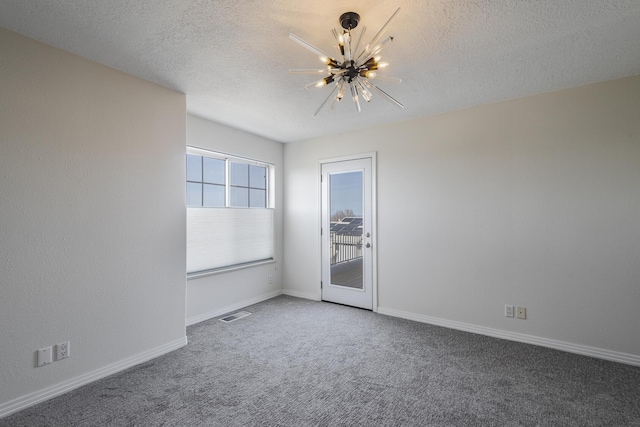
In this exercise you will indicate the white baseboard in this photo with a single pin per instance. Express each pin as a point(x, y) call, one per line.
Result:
point(305, 295)
point(31, 399)
point(629, 359)
point(224, 310)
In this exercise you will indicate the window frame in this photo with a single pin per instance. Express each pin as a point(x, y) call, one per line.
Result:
point(214, 262)
point(228, 159)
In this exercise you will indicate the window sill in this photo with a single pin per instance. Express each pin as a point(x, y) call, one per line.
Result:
point(222, 270)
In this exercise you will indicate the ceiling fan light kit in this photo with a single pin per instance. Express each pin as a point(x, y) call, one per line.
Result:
point(355, 67)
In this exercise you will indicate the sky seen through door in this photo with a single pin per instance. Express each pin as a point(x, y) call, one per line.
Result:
point(346, 193)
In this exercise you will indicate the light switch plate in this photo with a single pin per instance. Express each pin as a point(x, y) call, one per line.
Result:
point(44, 356)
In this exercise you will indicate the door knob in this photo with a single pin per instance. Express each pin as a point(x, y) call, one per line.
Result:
point(368, 245)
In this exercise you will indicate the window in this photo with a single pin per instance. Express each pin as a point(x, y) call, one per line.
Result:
point(248, 185)
point(207, 182)
point(229, 219)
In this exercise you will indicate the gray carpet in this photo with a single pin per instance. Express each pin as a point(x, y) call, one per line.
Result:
point(295, 362)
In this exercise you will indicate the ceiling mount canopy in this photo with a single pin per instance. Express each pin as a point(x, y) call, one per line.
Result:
point(356, 65)
point(349, 20)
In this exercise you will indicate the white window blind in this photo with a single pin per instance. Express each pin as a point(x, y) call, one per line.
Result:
point(223, 237)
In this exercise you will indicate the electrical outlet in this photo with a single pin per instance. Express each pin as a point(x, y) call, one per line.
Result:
point(521, 312)
point(44, 356)
point(508, 311)
point(63, 350)
point(270, 279)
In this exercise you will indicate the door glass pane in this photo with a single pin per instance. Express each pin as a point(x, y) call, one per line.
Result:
point(345, 204)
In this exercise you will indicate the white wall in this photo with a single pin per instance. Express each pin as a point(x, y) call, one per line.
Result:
point(532, 202)
point(92, 219)
point(218, 294)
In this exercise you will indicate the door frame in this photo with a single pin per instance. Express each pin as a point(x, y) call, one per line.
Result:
point(374, 218)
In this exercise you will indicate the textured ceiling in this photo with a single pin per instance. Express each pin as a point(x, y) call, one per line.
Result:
point(231, 57)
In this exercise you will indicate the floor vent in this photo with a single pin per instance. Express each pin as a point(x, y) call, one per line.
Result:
point(235, 316)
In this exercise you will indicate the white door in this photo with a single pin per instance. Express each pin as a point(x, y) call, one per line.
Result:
point(347, 232)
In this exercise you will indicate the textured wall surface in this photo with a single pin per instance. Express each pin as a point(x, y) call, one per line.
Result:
point(532, 202)
point(92, 218)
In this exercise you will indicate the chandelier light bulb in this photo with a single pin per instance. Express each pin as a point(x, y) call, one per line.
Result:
point(341, 91)
point(313, 84)
point(354, 66)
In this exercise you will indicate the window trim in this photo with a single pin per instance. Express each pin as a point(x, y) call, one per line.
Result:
point(222, 270)
point(269, 200)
